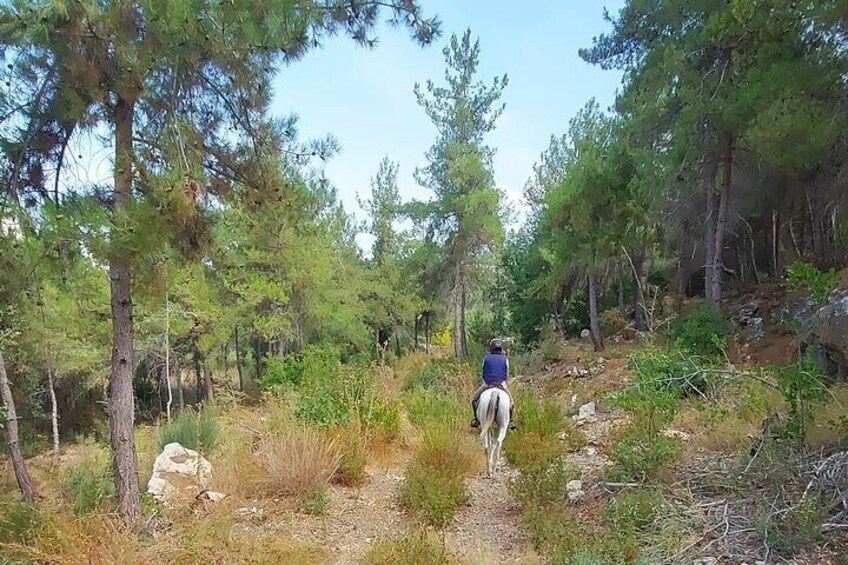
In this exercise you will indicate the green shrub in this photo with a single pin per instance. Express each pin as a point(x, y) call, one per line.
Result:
point(669, 371)
point(544, 482)
point(612, 322)
point(431, 375)
point(802, 386)
point(193, 430)
point(805, 276)
point(434, 487)
point(795, 530)
point(537, 440)
point(638, 455)
point(417, 548)
point(90, 483)
point(702, 331)
point(633, 510)
point(19, 520)
point(315, 502)
point(432, 495)
point(426, 407)
point(314, 363)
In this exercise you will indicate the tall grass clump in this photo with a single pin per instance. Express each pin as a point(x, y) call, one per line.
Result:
point(90, 485)
point(418, 548)
point(538, 437)
point(196, 430)
point(297, 460)
point(20, 521)
point(434, 487)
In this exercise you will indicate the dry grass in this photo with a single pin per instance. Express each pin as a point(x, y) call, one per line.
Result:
point(296, 461)
point(418, 548)
point(830, 427)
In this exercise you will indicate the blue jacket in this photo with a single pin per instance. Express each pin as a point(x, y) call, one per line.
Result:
point(495, 368)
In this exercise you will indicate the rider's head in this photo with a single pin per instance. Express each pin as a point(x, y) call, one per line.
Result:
point(496, 346)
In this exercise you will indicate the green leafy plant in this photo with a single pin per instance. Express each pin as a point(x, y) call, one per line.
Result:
point(817, 283)
point(544, 483)
point(315, 502)
point(802, 387)
point(702, 331)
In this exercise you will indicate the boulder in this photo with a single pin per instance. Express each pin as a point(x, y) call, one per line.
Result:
point(828, 331)
point(586, 411)
point(179, 475)
point(584, 334)
point(574, 489)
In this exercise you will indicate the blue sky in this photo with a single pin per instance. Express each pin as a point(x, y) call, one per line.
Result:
point(364, 97)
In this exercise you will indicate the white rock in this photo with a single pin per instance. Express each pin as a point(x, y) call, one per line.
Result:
point(705, 561)
point(676, 433)
point(574, 485)
point(585, 334)
point(587, 410)
point(178, 473)
point(591, 451)
point(213, 496)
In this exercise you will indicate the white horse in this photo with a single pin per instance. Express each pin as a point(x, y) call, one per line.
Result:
point(493, 415)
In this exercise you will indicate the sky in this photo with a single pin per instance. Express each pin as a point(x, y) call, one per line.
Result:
point(364, 98)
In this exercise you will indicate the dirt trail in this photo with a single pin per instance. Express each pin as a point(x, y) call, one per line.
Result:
point(488, 528)
point(354, 519)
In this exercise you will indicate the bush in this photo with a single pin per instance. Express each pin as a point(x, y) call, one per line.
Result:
point(818, 284)
point(297, 460)
point(192, 430)
point(411, 549)
point(432, 375)
point(90, 483)
point(638, 455)
point(612, 322)
point(537, 440)
point(426, 408)
point(544, 483)
point(435, 486)
point(802, 387)
point(633, 510)
point(315, 502)
point(314, 363)
point(702, 331)
point(19, 521)
point(669, 371)
point(432, 495)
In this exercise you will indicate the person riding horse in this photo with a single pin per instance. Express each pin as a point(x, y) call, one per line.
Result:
point(495, 372)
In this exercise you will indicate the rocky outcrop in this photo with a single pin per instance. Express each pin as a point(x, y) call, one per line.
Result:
point(829, 334)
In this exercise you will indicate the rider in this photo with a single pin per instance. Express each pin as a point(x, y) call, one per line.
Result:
point(495, 372)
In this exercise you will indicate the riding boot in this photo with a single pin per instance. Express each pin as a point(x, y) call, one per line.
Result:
point(475, 423)
point(512, 425)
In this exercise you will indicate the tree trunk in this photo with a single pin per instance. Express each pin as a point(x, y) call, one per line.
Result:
point(238, 360)
point(714, 295)
point(462, 307)
point(427, 333)
point(621, 309)
point(415, 332)
point(775, 244)
point(209, 395)
point(178, 374)
point(121, 401)
point(639, 315)
point(168, 357)
point(594, 323)
point(54, 411)
point(27, 487)
point(711, 169)
point(457, 313)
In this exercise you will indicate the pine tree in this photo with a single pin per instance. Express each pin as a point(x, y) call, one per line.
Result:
point(175, 82)
point(464, 216)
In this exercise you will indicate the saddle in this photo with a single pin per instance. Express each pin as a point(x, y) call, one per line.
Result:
point(496, 385)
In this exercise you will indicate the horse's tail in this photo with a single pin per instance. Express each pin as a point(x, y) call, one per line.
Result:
point(492, 408)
